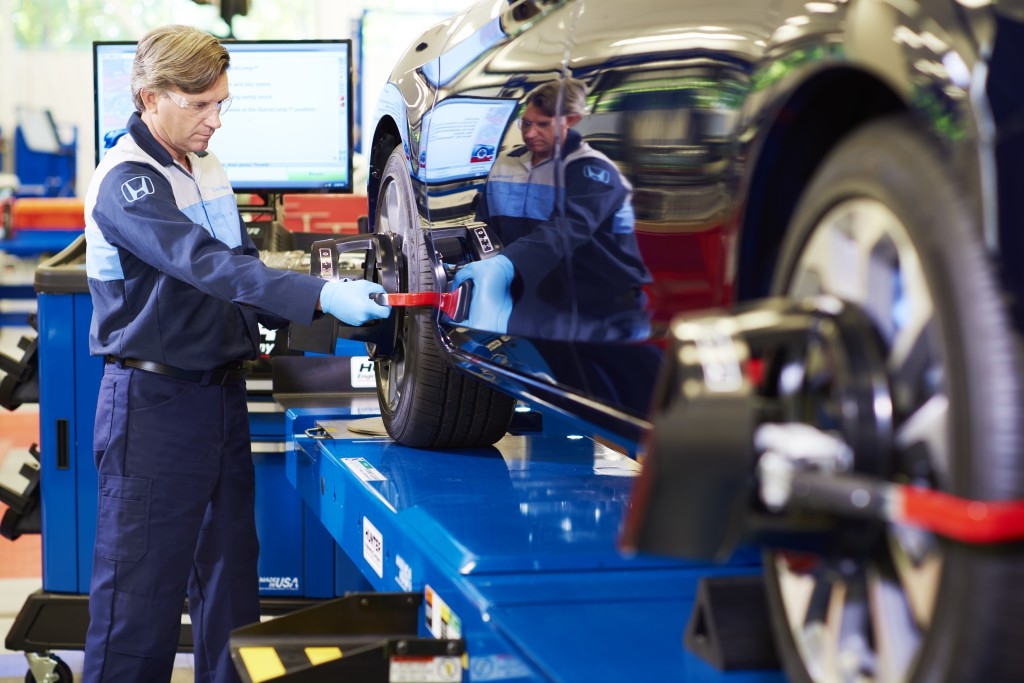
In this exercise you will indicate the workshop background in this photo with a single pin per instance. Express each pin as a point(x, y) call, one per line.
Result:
point(753, 413)
point(45, 50)
point(46, 73)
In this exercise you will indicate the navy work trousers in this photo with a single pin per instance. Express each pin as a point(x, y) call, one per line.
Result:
point(176, 517)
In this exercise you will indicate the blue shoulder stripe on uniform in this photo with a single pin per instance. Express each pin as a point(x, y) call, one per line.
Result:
point(220, 217)
point(526, 200)
point(624, 220)
point(102, 261)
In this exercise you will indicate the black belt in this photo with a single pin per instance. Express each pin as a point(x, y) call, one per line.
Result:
point(225, 374)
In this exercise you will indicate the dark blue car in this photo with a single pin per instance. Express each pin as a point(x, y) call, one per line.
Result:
point(828, 198)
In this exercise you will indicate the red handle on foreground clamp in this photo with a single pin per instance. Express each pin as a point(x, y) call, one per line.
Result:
point(970, 521)
point(409, 299)
point(938, 512)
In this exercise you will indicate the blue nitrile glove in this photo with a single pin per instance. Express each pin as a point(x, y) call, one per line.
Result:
point(349, 301)
point(491, 303)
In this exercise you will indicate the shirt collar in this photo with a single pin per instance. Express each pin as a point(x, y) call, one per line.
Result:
point(144, 138)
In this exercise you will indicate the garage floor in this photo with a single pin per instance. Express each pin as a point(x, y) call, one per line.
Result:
point(20, 561)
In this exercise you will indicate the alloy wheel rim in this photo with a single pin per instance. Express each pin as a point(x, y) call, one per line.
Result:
point(856, 620)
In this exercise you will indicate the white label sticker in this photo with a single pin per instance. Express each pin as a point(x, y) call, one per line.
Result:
point(363, 469)
point(373, 547)
point(408, 669)
point(442, 622)
point(362, 372)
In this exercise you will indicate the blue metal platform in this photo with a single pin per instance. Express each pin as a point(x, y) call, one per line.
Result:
point(513, 549)
point(35, 243)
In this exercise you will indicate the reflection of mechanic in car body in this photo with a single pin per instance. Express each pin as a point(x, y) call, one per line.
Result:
point(567, 229)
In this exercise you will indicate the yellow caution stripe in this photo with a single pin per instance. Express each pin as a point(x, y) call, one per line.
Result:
point(265, 663)
point(319, 655)
point(261, 663)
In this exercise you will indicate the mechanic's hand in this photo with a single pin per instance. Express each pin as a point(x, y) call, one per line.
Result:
point(349, 301)
point(491, 304)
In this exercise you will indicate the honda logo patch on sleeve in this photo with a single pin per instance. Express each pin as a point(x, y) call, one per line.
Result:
point(136, 188)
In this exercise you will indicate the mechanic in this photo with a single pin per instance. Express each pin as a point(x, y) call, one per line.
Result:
point(178, 289)
point(570, 267)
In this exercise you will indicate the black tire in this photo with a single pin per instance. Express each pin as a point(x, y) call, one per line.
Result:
point(425, 402)
point(885, 198)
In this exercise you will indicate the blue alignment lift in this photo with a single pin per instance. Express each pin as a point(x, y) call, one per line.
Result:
point(498, 564)
point(385, 563)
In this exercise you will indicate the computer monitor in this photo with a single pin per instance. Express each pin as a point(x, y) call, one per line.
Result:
point(289, 128)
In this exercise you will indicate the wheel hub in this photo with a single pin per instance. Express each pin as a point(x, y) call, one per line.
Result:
point(776, 389)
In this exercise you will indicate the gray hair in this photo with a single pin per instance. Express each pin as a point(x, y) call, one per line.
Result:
point(176, 56)
point(573, 93)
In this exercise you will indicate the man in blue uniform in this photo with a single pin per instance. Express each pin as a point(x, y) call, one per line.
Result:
point(178, 289)
point(570, 267)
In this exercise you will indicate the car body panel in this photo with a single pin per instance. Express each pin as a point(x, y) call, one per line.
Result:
point(718, 114)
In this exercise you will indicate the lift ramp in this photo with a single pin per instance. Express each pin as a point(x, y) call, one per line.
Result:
point(493, 564)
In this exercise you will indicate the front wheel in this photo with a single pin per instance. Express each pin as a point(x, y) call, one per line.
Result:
point(425, 402)
point(883, 226)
